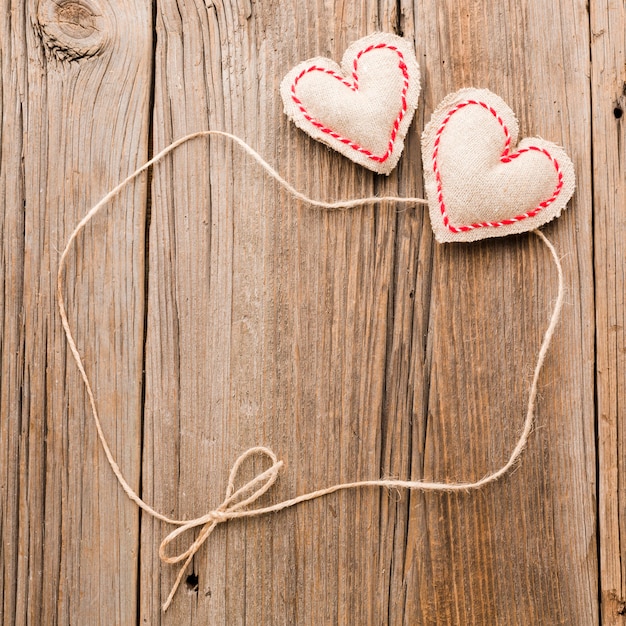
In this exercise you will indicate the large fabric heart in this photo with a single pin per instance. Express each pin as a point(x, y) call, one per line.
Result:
point(362, 109)
point(481, 184)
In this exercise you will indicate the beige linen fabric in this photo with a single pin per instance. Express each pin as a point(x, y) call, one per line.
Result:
point(363, 108)
point(479, 182)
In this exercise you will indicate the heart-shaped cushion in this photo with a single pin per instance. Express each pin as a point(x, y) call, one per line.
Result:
point(479, 182)
point(362, 109)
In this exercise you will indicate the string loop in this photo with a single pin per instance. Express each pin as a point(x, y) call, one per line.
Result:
point(237, 501)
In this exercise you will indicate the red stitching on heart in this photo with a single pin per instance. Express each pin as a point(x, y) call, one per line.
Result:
point(506, 157)
point(354, 86)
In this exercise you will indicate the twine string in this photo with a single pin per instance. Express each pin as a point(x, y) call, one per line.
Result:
point(233, 506)
point(237, 501)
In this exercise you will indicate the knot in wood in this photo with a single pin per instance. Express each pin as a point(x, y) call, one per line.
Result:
point(72, 29)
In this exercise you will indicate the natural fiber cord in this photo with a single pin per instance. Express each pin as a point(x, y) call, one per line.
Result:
point(236, 502)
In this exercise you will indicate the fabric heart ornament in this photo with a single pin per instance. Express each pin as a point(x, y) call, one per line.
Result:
point(363, 108)
point(479, 182)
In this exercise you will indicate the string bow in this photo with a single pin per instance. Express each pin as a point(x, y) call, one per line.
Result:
point(233, 506)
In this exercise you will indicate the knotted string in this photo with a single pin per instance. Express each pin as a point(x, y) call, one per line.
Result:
point(237, 500)
point(231, 507)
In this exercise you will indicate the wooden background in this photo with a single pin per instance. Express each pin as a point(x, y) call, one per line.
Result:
point(214, 313)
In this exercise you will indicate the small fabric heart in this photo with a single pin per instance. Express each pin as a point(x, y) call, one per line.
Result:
point(479, 182)
point(362, 109)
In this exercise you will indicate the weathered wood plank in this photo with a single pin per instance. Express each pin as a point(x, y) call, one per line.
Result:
point(281, 321)
point(608, 81)
point(76, 80)
point(11, 303)
point(522, 551)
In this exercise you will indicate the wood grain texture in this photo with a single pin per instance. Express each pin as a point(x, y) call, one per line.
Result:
point(342, 340)
point(522, 552)
point(75, 101)
point(349, 342)
point(608, 80)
